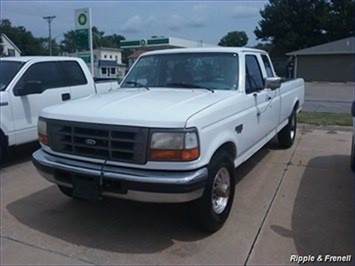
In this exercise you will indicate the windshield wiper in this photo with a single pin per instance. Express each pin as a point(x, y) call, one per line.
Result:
point(189, 85)
point(137, 84)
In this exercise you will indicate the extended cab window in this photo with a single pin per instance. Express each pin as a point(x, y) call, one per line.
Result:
point(73, 73)
point(267, 65)
point(253, 80)
point(47, 73)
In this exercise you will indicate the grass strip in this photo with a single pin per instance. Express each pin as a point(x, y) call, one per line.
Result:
point(325, 119)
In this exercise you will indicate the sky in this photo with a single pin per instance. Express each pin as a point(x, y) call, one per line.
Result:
point(206, 21)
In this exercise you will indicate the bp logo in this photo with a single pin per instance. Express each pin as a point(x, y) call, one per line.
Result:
point(143, 42)
point(82, 19)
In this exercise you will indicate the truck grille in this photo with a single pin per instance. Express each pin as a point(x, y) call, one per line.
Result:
point(116, 143)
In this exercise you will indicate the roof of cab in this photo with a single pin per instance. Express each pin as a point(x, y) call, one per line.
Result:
point(37, 58)
point(205, 50)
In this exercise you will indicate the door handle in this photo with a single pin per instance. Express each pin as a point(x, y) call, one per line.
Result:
point(268, 98)
point(66, 96)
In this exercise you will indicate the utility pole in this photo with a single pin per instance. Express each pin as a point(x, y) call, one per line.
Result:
point(49, 20)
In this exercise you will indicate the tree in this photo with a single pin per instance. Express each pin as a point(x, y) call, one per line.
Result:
point(234, 38)
point(24, 40)
point(68, 44)
point(297, 24)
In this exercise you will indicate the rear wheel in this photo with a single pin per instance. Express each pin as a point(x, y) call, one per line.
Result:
point(287, 135)
point(211, 210)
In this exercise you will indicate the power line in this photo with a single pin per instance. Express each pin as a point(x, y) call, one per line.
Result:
point(49, 20)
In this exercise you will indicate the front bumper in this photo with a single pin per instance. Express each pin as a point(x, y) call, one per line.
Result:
point(120, 182)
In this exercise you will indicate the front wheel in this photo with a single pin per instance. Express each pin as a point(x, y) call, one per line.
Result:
point(212, 210)
point(287, 135)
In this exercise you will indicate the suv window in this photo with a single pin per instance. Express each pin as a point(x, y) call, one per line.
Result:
point(253, 80)
point(267, 65)
point(47, 73)
point(73, 73)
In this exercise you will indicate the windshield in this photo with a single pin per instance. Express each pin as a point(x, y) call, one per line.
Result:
point(8, 70)
point(217, 71)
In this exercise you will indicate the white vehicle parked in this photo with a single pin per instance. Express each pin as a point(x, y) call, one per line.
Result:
point(175, 131)
point(29, 84)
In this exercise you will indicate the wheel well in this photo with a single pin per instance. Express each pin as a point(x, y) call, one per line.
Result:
point(296, 106)
point(3, 139)
point(230, 148)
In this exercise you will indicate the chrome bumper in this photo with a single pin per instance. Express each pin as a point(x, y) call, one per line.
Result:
point(137, 185)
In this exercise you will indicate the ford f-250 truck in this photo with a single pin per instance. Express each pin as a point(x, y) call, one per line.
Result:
point(29, 84)
point(174, 132)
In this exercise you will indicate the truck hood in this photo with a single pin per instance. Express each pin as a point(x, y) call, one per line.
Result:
point(157, 107)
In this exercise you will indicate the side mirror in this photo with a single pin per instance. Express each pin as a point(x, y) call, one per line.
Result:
point(30, 87)
point(272, 83)
point(353, 109)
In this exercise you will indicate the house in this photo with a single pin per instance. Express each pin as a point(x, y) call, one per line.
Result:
point(333, 61)
point(9, 48)
point(107, 62)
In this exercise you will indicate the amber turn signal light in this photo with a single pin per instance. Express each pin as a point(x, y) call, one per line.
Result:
point(174, 155)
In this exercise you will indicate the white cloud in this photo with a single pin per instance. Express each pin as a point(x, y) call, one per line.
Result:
point(136, 24)
point(175, 22)
point(197, 22)
point(244, 12)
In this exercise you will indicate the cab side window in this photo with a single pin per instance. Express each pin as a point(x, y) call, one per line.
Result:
point(267, 65)
point(73, 73)
point(47, 73)
point(253, 80)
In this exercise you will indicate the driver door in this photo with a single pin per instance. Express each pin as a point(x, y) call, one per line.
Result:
point(26, 108)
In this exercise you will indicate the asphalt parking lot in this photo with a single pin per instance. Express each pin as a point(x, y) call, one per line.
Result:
point(298, 201)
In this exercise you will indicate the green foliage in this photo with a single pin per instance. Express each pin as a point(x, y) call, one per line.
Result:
point(298, 24)
point(234, 38)
point(99, 40)
point(24, 40)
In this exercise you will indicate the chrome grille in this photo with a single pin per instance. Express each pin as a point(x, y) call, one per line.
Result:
point(116, 143)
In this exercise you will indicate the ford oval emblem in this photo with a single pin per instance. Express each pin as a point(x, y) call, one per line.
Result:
point(90, 142)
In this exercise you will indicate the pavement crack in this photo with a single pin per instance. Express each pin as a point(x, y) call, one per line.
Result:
point(47, 250)
point(271, 202)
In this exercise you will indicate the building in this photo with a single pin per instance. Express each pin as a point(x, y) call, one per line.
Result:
point(107, 62)
point(332, 61)
point(158, 43)
point(9, 48)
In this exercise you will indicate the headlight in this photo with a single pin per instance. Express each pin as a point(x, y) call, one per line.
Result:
point(174, 146)
point(42, 131)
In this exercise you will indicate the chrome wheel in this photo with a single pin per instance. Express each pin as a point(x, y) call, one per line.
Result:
point(221, 190)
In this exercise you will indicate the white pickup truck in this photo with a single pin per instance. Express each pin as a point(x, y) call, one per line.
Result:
point(28, 84)
point(174, 132)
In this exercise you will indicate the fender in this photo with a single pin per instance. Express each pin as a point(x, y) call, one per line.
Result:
point(217, 141)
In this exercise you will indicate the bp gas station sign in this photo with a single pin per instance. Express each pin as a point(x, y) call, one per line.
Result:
point(83, 35)
point(82, 28)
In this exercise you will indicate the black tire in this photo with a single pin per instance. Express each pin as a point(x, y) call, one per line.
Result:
point(66, 191)
point(352, 163)
point(203, 212)
point(3, 149)
point(287, 135)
